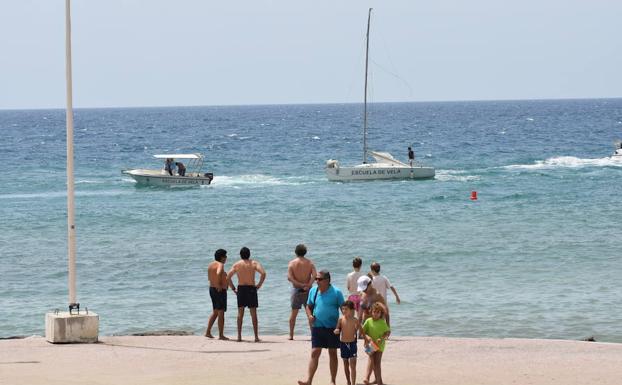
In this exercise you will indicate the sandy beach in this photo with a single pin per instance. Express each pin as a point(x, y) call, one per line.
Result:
point(276, 361)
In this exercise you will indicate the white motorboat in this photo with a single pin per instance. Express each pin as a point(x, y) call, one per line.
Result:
point(618, 149)
point(385, 165)
point(190, 176)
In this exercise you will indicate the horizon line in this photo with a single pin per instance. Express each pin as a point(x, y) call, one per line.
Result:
point(313, 103)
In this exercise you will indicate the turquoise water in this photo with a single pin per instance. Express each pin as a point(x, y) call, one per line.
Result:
point(536, 256)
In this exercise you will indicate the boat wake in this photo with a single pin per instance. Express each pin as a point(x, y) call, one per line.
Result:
point(255, 181)
point(567, 162)
point(455, 176)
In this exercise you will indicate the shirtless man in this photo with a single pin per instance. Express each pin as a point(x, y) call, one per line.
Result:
point(301, 273)
point(218, 292)
point(246, 290)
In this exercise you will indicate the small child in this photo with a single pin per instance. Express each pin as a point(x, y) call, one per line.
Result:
point(376, 331)
point(347, 327)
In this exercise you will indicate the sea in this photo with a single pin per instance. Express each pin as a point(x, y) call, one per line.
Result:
point(537, 255)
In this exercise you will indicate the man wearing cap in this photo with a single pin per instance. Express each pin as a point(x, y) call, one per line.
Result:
point(323, 313)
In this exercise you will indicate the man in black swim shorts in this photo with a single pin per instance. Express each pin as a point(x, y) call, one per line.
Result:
point(246, 291)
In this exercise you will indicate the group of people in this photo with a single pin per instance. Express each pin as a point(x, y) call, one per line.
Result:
point(170, 166)
point(364, 315)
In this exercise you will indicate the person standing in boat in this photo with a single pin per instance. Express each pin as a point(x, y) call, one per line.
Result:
point(181, 169)
point(169, 166)
point(411, 156)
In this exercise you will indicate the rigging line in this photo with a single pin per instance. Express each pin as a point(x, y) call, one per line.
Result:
point(392, 64)
point(410, 90)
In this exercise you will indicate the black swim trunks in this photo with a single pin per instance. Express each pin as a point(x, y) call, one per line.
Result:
point(247, 296)
point(324, 338)
point(219, 298)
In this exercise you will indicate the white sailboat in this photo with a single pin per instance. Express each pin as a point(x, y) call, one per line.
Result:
point(385, 165)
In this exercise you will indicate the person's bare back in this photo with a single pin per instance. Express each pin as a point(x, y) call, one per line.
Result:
point(301, 273)
point(245, 270)
point(216, 275)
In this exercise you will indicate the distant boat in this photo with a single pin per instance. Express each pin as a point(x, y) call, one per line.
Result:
point(162, 177)
point(385, 165)
point(618, 149)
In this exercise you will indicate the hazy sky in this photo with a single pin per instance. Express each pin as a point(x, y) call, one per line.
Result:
point(204, 52)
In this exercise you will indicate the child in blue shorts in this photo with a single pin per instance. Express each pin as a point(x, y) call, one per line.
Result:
point(347, 328)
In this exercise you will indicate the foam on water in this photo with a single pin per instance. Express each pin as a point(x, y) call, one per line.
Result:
point(568, 162)
point(455, 176)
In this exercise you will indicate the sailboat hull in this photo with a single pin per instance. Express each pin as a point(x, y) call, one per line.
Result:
point(368, 172)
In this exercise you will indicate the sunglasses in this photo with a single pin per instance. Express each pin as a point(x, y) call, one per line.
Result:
point(320, 279)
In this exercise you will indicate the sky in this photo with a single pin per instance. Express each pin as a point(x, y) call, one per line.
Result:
point(129, 53)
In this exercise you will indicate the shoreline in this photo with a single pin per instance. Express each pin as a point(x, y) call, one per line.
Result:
point(195, 359)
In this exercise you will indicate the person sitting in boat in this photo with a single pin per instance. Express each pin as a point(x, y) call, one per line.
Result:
point(411, 156)
point(181, 169)
point(169, 166)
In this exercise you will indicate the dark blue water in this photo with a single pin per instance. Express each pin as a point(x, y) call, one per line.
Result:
point(536, 256)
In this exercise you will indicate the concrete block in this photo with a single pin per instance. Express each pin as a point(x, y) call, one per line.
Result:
point(65, 328)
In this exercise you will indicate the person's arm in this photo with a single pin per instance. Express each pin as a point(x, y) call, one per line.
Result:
point(397, 297)
point(262, 273)
point(308, 310)
point(220, 272)
point(337, 330)
point(229, 280)
point(309, 284)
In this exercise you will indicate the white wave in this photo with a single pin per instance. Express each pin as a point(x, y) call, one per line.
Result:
point(316, 138)
point(567, 162)
point(255, 180)
point(454, 176)
point(232, 135)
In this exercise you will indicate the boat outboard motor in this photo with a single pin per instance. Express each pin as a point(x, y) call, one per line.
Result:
point(332, 163)
point(210, 176)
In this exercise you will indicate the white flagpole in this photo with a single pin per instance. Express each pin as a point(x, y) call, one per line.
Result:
point(71, 227)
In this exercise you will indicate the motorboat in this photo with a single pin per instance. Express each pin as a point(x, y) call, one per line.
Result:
point(385, 165)
point(172, 174)
point(618, 149)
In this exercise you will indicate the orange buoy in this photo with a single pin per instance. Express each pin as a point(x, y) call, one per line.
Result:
point(473, 195)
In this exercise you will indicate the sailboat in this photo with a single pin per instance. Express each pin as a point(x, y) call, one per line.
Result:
point(385, 165)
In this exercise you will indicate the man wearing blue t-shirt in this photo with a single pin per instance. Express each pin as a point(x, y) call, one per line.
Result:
point(323, 312)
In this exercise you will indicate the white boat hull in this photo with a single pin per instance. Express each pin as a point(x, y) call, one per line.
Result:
point(376, 172)
point(157, 178)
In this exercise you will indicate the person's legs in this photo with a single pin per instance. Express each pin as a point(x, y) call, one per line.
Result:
point(221, 325)
point(378, 367)
point(240, 320)
point(346, 369)
point(292, 323)
point(210, 323)
point(313, 362)
point(352, 364)
point(334, 364)
point(253, 311)
point(370, 368)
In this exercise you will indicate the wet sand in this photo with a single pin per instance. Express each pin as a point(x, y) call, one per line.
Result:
point(156, 360)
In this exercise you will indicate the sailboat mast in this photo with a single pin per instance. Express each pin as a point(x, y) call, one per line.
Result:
point(365, 94)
